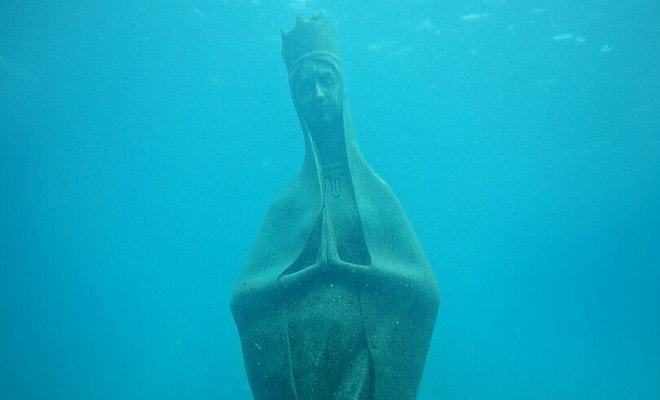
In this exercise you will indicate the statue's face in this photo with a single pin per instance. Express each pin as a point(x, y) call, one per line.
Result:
point(318, 92)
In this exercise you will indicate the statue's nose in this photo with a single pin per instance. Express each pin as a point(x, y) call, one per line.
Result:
point(318, 91)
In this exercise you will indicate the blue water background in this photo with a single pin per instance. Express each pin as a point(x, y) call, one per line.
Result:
point(141, 143)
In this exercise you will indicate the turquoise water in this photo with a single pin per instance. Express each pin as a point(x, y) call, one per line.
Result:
point(140, 145)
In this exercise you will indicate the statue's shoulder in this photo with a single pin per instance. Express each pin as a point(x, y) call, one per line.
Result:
point(292, 209)
point(376, 192)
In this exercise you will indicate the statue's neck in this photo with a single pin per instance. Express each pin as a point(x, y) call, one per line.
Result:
point(329, 144)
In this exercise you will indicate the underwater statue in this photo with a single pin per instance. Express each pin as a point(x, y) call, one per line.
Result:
point(337, 300)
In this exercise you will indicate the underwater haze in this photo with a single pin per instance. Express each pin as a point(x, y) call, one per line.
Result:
point(142, 142)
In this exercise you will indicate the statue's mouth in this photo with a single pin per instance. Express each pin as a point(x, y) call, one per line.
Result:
point(321, 106)
point(325, 111)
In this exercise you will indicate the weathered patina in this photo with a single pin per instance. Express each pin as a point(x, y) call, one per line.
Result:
point(337, 299)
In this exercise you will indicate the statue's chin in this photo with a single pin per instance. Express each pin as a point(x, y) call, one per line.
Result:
point(323, 119)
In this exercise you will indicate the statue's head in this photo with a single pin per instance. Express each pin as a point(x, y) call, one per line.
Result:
point(317, 92)
point(311, 55)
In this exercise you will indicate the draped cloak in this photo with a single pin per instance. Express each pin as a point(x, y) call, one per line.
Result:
point(388, 302)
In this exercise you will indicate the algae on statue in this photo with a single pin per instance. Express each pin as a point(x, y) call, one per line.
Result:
point(337, 300)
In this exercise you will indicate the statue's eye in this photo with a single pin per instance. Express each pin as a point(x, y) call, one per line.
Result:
point(327, 80)
point(306, 86)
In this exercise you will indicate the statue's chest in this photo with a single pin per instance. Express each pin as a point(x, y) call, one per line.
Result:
point(342, 229)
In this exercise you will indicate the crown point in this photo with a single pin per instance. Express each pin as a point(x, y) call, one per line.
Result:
point(312, 37)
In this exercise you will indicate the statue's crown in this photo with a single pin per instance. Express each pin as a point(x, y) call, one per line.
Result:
point(314, 37)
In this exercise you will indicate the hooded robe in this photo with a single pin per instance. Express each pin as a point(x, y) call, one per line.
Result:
point(332, 308)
